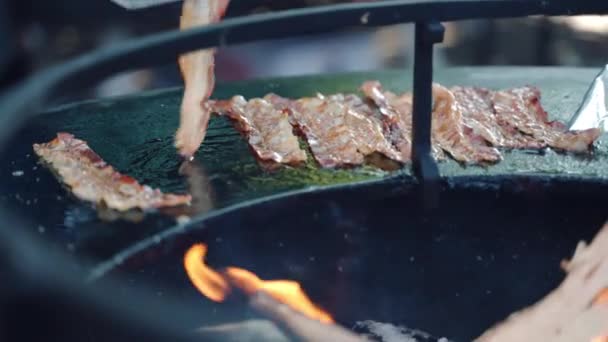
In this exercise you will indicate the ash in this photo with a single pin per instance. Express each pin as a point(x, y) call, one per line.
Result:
point(386, 332)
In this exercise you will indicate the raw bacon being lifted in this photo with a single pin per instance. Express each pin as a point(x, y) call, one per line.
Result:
point(197, 69)
point(91, 179)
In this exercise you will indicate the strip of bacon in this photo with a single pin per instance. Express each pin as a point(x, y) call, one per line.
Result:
point(519, 109)
point(397, 118)
point(479, 116)
point(339, 129)
point(197, 70)
point(267, 129)
point(323, 123)
point(91, 179)
point(449, 130)
point(344, 129)
point(397, 124)
point(365, 122)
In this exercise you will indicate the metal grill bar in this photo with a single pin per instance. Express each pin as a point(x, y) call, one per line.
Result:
point(424, 166)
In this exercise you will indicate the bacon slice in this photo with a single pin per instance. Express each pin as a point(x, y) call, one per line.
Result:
point(323, 123)
point(367, 127)
point(449, 131)
point(339, 129)
point(267, 128)
point(344, 129)
point(91, 179)
point(397, 122)
point(396, 114)
point(478, 115)
point(519, 109)
point(197, 69)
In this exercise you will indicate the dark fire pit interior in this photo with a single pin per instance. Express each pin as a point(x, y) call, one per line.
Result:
point(371, 253)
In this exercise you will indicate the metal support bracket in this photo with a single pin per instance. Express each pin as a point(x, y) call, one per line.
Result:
point(424, 166)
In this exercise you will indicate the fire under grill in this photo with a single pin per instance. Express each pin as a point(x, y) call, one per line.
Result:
point(447, 255)
point(367, 254)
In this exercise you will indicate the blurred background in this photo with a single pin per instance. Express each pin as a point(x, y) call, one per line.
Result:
point(36, 34)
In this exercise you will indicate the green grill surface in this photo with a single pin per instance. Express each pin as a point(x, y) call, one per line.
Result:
point(135, 134)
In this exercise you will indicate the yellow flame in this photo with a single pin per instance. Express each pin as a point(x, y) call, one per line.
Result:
point(216, 286)
point(206, 280)
point(285, 291)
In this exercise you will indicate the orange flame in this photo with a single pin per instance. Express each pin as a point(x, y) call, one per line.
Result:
point(206, 280)
point(285, 291)
point(216, 286)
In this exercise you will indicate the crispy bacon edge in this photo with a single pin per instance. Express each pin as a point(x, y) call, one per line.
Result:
point(81, 153)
